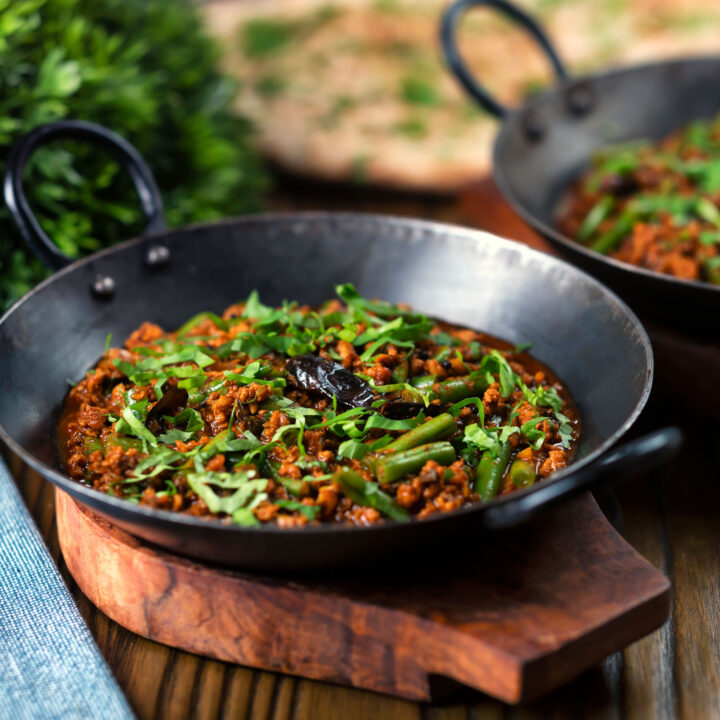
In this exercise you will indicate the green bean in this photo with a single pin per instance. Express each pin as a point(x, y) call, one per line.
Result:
point(389, 468)
point(423, 382)
point(432, 429)
point(522, 473)
point(368, 494)
point(490, 471)
point(458, 388)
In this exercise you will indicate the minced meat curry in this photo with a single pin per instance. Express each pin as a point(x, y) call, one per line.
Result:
point(354, 412)
point(655, 205)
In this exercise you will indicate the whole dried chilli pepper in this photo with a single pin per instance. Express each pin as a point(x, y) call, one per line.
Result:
point(331, 380)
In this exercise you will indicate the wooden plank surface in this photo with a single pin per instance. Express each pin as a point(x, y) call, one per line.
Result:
point(670, 516)
point(549, 600)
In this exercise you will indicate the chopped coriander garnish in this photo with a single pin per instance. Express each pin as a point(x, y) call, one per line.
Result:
point(352, 410)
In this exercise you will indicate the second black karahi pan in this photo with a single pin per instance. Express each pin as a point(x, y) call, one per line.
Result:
point(548, 142)
point(57, 331)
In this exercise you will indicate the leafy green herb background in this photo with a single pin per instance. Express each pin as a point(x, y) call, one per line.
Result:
point(147, 70)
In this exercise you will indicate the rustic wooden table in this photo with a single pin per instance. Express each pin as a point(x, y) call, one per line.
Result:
point(670, 516)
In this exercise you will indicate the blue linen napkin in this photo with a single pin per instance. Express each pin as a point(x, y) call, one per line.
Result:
point(50, 667)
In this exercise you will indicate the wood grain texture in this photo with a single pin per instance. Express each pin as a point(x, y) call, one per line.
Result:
point(554, 598)
point(663, 515)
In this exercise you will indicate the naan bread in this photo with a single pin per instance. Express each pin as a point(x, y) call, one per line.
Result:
point(356, 89)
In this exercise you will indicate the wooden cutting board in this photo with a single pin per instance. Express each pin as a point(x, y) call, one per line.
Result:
point(533, 608)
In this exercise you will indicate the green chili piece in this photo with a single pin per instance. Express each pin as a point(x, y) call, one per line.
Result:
point(432, 429)
point(522, 473)
point(91, 445)
point(389, 468)
point(490, 471)
point(126, 443)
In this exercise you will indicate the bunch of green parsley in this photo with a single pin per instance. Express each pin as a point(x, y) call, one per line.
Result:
point(147, 70)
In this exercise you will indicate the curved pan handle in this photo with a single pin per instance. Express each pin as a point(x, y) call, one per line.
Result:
point(451, 18)
point(118, 147)
point(620, 464)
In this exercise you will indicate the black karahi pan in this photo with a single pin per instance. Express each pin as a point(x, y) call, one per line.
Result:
point(57, 331)
point(548, 141)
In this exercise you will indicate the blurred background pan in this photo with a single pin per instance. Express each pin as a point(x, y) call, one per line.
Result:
point(550, 139)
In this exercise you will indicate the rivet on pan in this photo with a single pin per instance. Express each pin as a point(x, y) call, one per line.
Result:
point(580, 99)
point(534, 125)
point(103, 286)
point(157, 256)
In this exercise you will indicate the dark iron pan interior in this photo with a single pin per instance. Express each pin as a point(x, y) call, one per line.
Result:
point(578, 327)
point(545, 144)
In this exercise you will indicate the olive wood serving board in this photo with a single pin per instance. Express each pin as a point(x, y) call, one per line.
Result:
point(525, 612)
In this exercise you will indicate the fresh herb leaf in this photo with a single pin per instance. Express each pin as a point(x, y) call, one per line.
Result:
point(193, 422)
point(255, 310)
point(534, 435)
point(481, 438)
point(496, 363)
point(194, 321)
point(379, 422)
point(417, 91)
point(248, 490)
point(132, 422)
point(309, 511)
point(161, 460)
point(455, 409)
point(545, 397)
point(565, 429)
point(352, 450)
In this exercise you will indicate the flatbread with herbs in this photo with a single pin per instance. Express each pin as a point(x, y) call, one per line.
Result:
point(356, 89)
